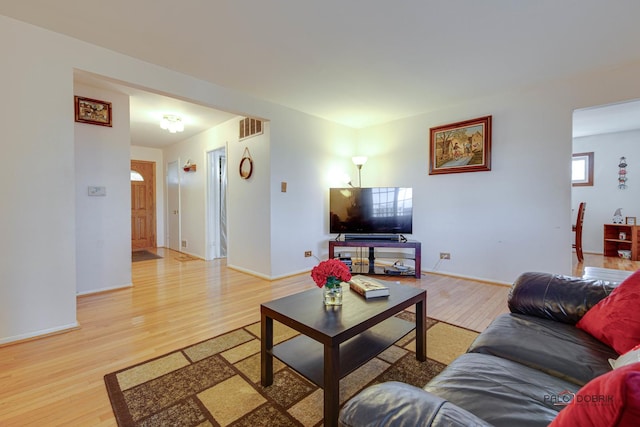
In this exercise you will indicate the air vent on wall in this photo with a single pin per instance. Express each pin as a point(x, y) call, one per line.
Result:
point(250, 127)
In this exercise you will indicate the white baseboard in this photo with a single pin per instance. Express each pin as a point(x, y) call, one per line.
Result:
point(98, 291)
point(40, 333)
point(247, 271)
point(266, 277)
point(462, 276)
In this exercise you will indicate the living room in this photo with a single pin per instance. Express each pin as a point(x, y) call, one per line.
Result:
point(496, 224)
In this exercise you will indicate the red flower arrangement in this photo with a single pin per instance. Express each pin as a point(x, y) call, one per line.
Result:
point(330, 273)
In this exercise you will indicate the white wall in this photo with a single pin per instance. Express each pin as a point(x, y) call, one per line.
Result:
point(193, 186)
point(103, 224)
point(311, 156)
point(37, 219)
point(514, 218)
point(249, 231)
point(496, 224)
point(155, 155)
point(38, 275)
point(604, 197)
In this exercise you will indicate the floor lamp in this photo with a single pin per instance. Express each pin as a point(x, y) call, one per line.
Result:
point(359, 161)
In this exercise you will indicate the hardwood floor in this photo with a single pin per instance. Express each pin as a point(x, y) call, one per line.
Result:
point(594, 260)
point(58, 380)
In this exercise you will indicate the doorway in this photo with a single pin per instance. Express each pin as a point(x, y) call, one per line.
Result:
point(609, 132)
point(143, 204)
point(216, 204)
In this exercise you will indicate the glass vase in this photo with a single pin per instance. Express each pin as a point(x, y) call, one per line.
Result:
point(332, 295)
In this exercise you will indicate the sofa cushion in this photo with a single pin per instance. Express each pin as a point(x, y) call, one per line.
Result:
point(393, 404)
point(612, 399)
point(551, 296)
point(500, 391)
point(616, 319)
point(558, 349)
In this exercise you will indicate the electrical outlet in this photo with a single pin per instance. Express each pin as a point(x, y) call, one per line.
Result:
point(308, 253)
point(184, 243)
point(445, 255)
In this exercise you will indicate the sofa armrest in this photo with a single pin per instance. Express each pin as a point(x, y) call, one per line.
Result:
point(402, 405)
point(551, 296)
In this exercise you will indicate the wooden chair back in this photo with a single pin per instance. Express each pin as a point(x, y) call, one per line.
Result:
point(577, 228)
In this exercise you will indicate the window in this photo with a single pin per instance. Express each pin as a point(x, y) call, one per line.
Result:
point(582, 169)
point(135, 176)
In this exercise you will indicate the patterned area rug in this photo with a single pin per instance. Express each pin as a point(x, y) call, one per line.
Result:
point(143, 255)
point(217, 382)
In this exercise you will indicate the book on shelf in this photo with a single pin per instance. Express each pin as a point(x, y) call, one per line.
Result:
point(368, 287)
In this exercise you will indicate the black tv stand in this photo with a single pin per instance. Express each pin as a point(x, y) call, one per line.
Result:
point(372, 244)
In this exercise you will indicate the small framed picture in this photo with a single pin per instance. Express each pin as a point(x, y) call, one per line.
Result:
point(630, 220)
point(92, 111)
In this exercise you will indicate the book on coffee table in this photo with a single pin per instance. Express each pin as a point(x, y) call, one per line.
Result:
point(368, 287)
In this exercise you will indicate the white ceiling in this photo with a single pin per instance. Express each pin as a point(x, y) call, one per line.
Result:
point(624, 116)
point(147, 109)
point(356, 62)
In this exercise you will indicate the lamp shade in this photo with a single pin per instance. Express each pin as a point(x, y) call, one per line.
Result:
point(359, 160)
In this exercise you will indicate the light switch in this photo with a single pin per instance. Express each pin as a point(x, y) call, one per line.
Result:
point(97, 191)
point(283, 187)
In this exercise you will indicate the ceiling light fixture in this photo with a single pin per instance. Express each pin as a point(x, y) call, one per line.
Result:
point(172, 123)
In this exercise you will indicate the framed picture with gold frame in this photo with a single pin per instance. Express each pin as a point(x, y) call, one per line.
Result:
point(92, 111)
point(461, 147)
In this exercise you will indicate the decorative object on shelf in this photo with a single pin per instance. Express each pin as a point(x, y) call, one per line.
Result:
point(622, 173)
point(461, 147)
point(617, 217)
point(172, 123)
point(189, 167)
point(92, 111)
point(630, 220)
point(622, 235)
point(246, 164)
point(624, 253)
point(329, 275)
point(359, 161)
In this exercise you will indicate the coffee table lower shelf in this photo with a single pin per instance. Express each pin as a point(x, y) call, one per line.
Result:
point(306, 355)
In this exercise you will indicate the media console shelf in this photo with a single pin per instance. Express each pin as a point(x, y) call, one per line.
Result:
point(613, 241)
point(372, 268)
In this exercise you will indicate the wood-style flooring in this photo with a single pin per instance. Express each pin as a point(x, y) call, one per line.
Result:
point(58, 380)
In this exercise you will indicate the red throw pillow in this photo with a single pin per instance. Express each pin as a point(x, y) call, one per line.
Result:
point(612, 399)
point(615, 320)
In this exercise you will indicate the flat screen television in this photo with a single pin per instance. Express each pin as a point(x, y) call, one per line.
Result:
point(374, 210)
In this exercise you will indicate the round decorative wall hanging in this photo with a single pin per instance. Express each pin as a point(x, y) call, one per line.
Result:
point(246, 164)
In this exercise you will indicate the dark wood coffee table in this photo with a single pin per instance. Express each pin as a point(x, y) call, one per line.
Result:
point(335, 341)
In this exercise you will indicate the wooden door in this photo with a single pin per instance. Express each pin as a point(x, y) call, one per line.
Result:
point(143, 205)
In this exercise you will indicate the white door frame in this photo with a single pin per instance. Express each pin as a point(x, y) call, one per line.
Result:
point(173, 229)
point(213, 206)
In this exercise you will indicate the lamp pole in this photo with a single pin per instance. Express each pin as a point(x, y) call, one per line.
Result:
point(359, 161)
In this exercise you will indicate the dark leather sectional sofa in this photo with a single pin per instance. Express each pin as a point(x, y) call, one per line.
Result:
point(520, 371)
